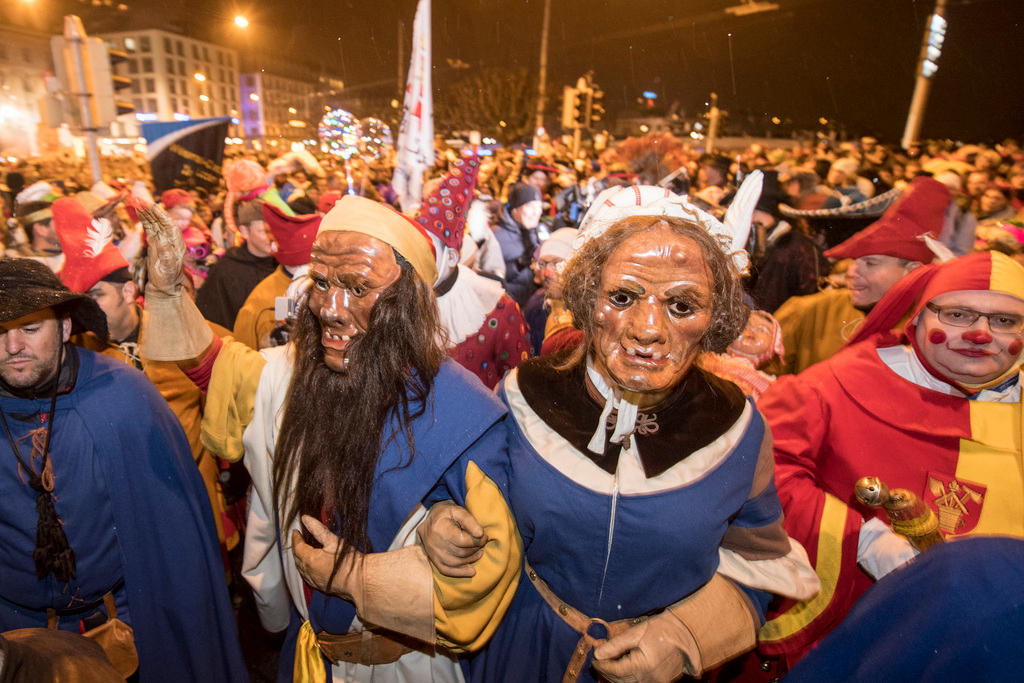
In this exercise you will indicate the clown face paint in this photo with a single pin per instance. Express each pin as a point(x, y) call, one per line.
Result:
point(653, 308)
point(349, 270)
point(972, 355)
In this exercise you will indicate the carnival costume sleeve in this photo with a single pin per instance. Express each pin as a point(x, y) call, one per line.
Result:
point(825, 525)
point(467, 610)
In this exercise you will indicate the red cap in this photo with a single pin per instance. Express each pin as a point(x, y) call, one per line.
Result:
point(89, 251)
point(443, 212)
point(294, 234)
point(177, 197)
point(901, 229)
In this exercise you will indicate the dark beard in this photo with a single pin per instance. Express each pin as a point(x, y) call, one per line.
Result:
point(333, 428)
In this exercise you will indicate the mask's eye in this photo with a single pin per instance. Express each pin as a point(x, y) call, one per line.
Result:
point(681, 309)
point(358, 290)
point(320, 283)
point(621, 298)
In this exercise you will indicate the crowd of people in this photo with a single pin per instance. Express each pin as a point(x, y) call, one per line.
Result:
point(573, 418)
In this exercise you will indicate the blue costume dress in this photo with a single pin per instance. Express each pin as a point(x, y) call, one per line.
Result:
point(622, 535)
point(135, 512)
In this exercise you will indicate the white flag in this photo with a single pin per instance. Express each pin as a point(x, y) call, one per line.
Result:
point(416, 136)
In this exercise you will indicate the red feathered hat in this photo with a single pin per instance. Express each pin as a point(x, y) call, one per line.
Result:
point(901, 229)
point(294, 234)
point(89, 251)
point(443, 212)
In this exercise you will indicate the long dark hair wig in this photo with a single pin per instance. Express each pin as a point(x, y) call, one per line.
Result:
point(334, 423)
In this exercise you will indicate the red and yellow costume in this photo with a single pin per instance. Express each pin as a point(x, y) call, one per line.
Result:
point(876, 409)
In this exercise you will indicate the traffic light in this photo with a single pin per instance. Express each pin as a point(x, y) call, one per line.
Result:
point(84, 67)
point(596, 106)
point(572, 107)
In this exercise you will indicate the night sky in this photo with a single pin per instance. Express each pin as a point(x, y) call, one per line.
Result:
point(852, 62)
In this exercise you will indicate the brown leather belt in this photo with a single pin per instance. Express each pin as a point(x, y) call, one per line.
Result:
point(580, 623)
point(362, 647)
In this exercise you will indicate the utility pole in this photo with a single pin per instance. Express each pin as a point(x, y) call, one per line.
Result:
point(74, 33)
point(542, 80)
point(927, 64)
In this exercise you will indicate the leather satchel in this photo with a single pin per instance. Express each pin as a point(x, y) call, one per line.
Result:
point(115, 637)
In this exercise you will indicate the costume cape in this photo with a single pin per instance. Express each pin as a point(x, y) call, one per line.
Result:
point(164, 542)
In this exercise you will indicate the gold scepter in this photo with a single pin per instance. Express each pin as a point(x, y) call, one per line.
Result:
point(908, 514)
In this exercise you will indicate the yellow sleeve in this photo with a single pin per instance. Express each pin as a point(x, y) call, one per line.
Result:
point(558, 319)
point(467, 610)
point(230, 398)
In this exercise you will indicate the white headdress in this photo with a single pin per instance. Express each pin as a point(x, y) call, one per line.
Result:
point(616, 203)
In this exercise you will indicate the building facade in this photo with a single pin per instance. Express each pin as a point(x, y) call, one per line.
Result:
point(176, 77)
point(278, 111)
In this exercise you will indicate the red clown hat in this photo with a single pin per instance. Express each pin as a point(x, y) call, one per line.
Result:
point(88, 244)
point(443, 212)
point(294, 234)
point(901, 229)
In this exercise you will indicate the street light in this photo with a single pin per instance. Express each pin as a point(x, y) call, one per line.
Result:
point(199, 77)
point(241, 22)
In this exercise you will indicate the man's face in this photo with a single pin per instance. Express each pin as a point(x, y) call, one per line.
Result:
point(653, 308)
point(976, 183)
point(528, 215)
point(538, 179)
point(871, 276)
point(836, 177)
point(44, 236)
point(976, 354)
point(349, 270)
point(550, 279)
point(28, 355)
point(118, 303)
point(993, 201)
point(182, 216)
point(258, 239)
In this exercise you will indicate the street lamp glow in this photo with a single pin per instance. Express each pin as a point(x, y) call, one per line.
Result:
point(241, 22)
point(254, 97)
point(204, 98)
point(292, 110)
point(199, 77)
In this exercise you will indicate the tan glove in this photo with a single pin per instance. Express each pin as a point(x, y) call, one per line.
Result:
point(393, 590)
point(698, 633)
point(174, 330)
point(452, 539)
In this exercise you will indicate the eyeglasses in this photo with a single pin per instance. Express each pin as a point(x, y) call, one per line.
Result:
point(1007, 323)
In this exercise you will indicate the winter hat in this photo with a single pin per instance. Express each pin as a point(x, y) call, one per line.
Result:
point(443, 211)
point(177, 197)
point(88, 245)
point(406, 236)
point(294, 234)
point(559, 244)
point(521, 193)
point(901, 230)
